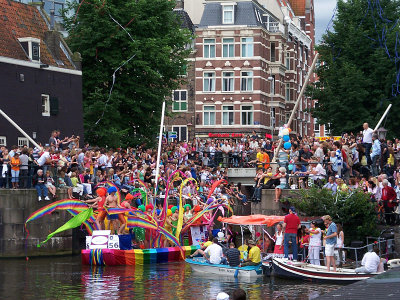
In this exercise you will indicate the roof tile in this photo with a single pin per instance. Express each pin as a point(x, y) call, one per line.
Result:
point(18, 20)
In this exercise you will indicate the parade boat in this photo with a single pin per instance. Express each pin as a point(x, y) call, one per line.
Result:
point(202, 266)
point(301, 270)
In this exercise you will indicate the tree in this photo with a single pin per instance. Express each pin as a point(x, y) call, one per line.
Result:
point(353, 210)
point(359, 67)
point(141, 42)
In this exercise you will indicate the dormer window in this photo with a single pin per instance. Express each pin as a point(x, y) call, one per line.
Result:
point(228, 13)
point(31, 47)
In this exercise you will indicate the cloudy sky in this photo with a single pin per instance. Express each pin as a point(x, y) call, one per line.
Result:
point(323, 13)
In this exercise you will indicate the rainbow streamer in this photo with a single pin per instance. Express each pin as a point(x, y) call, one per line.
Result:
point(109, 184)
point(96, 257)
point(181, 209)
point(65, 204)
point(145, 187)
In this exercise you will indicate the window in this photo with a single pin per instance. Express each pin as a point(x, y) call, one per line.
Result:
point(209, 48)
point(327, 129)
point(246, 83)
point(23, 141)
point(180, 101)
point(287, 62)
point(316, 125)
point(272, 117)
point(273, 85)
point(247, 115)
point(3, 141)
point(209, 82)
point(228, 81)
point(287, 91)
point(31, 47)
point(247, 47)
point(301, 53)
point(209, 115)
point(273, 58)
point(228, 14)
point(45, 105)
point(227, 115)
point(181, 132)
point(287, 117)
point(228, 47)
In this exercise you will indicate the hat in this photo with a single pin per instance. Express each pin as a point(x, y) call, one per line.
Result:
point(129, 197)
point(292, 209)
point(187, 205)
point(252, 242)
point(149, 206)
point(142, 207)
point(197, 208)
point(112, 189)
point(222, 296)
point(101, 192)
point(337, 176)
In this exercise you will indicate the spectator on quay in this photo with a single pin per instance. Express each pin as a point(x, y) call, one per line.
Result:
point(24, 168)
point(367, 141)
point(331, 185)
point(15, 163)
point(339, 158)
point(45, 159)
point(282, 183)
point(376, 152)
point(330, 242)
point(39, 180)
point(50, 184)
point(389, 199)
point(5, 162)
point(290, 226)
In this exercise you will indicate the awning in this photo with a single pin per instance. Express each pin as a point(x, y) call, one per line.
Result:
point(252, 220)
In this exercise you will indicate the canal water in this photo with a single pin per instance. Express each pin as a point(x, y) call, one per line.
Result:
point(67, 278)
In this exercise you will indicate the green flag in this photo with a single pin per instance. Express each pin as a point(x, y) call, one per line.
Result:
point(74, 222)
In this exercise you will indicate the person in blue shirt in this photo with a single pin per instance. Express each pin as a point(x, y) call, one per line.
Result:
point(376, 153)
point(331, 185)
point(330, 239)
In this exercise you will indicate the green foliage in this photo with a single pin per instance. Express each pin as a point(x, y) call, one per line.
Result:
point(353, 210)
point(356, 76)
point(132, 112)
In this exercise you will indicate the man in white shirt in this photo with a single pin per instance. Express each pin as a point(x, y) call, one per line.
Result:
point(367, 141)
point(370, 262)
point(45, 157)
point(213, 253)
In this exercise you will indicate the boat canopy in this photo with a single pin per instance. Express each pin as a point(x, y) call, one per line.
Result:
point(252, 220)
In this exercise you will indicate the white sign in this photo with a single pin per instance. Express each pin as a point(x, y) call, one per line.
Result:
point(199, 234)
point(101, 239)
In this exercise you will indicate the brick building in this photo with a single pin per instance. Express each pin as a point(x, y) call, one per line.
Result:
point(250, 61)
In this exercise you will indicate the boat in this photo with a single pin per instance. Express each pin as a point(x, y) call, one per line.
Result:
point(200, 265)
point(115, 257)
point(301, 270)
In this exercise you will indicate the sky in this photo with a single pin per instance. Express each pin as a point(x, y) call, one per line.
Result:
point(323, 13)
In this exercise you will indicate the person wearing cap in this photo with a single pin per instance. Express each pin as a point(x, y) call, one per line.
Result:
point(291, 224)
point(254, 258)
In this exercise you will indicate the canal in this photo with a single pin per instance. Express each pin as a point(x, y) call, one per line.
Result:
point(67, 278)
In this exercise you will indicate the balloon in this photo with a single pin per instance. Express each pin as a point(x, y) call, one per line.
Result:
point(285, 131)
point(286, 138)
point(210, 200)
point(287, 145)
point(290, 130)
point(169, 212)
point(220, 234)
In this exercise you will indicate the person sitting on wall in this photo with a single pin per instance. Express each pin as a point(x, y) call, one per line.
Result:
point(39, 180)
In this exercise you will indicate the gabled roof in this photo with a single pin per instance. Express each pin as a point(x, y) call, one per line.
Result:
point(18, 20)
point(286, 3)
point(245, 14)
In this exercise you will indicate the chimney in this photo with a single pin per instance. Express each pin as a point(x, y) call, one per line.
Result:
point(52, 39)
point(52, 13)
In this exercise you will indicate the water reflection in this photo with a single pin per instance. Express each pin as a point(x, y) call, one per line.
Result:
point(66, 278)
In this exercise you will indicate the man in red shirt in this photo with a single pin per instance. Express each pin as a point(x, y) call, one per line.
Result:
point(290, 226)
point(389, 198)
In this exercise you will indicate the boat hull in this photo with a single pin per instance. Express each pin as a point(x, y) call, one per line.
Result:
point(114, 257)
point(288, 269)
point(225, 270)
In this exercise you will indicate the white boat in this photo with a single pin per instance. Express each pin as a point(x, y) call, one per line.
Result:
point(300, 270)
point(202, 266)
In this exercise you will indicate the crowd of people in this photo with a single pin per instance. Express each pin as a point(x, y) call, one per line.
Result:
point(353, 161)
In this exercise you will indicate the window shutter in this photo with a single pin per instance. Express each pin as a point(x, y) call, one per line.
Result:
point(53, 106)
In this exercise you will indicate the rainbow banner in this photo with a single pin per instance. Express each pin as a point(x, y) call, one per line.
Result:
point(65, 204)
point(90, 224)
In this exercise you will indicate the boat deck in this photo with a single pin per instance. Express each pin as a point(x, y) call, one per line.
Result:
point(382, 286)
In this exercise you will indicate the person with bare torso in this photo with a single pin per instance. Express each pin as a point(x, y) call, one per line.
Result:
point(112, 202)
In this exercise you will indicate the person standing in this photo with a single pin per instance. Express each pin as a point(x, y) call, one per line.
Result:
point(331, 240)
point(290, 226)
point(375, 155)
point(367, 141)
point(24, 173)
point(279, 236)
point(315, 243)
point(389, 198)
point(15, 165)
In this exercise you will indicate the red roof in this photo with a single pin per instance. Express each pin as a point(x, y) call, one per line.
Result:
point(299, 7)
point(18, 20)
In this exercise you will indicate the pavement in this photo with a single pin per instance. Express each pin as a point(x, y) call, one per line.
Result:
point(383, 286)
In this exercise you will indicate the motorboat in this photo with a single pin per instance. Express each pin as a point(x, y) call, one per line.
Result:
point(201, 265)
